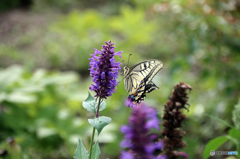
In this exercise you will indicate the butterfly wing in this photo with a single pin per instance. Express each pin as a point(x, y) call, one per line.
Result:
point(141, 92)
point(132, 81)
point(138, 79)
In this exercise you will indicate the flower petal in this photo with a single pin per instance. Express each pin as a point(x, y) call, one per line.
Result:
point(126, 155)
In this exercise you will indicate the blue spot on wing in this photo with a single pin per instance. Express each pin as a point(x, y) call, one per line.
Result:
point(134, 98)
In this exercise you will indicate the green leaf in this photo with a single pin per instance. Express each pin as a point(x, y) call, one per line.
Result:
point(235, 134)
point(213, 145)
point(236, 115)
point(81, 152)
point(100, 122)
point(89, 98)
point(95, 151)
point(220, 120)
point(9, 76)
point(91, 104)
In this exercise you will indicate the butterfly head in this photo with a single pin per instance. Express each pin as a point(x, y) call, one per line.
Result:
point(125, 70)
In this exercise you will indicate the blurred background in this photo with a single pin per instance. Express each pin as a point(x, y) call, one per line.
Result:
point(44, 76)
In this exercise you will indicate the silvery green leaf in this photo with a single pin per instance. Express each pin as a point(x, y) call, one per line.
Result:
point(81, 152)
point(95, 151)
point(100, 122)
point(91, 104)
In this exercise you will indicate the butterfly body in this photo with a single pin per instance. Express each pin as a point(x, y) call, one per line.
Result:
point(138, 79)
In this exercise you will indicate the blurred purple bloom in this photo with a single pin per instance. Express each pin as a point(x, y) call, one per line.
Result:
point(139, 142)
point(126, 155)
point(162, 157)
point(128, 103)
point(104, 70)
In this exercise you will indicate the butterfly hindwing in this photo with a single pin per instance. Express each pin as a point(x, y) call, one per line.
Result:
point(141, 92)
point(150, 87)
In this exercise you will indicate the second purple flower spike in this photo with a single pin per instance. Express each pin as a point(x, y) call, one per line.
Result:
point(139, 142)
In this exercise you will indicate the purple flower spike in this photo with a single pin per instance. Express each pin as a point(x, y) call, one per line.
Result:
point(104, 70)
point(139, 142)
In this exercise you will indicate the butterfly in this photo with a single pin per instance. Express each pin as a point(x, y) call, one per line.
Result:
point(138, 79)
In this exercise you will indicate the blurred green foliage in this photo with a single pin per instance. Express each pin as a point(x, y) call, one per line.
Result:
point(236, 115)
point(80, 32)
point(35, 109)
point(198, 42)
point(233, 135)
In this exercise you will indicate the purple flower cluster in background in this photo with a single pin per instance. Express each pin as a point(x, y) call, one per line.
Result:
point(104, 70)
point(139, 142)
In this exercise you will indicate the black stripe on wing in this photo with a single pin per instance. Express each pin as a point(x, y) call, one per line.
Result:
point(145, 63)
point(141, 92)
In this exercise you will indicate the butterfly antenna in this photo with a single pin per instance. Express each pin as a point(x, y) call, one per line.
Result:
point(128, 59)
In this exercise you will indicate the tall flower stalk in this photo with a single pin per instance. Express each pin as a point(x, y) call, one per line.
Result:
point(139, 142)
point(104, 71)
point(93, 133)
point(173, 119)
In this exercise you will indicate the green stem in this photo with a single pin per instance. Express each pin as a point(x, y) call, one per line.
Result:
point(92, 142)
point(99, 101)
